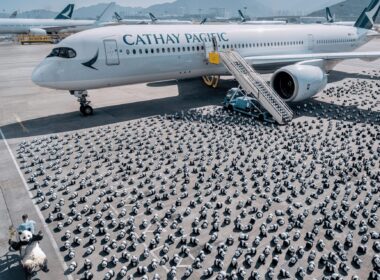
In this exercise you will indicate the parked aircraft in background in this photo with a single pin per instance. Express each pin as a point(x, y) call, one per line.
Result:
point(300, 55)
point(331, 19)
point(45, 26)
point(120, 20)
point(167, 21)
point(244, 20)
point(13, 15)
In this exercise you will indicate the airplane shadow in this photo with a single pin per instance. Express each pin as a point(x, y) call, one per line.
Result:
point(192, 94)
point(324, 110)
point(336, 76)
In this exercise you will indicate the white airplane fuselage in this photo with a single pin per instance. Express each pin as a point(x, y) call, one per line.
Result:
point(23, 26)
point(121, 55)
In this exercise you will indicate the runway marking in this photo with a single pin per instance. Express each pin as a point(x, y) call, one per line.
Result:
point(50, 235)
point(24, 129)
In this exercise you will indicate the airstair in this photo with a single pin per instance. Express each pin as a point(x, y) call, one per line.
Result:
point(254, 85)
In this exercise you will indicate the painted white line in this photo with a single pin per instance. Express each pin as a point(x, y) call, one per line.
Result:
point(49, 234)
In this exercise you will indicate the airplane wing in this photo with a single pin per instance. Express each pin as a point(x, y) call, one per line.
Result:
point(294, 58)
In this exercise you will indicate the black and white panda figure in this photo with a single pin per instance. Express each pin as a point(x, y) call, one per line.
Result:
point(32, 258)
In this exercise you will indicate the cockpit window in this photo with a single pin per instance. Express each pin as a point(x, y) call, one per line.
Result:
point(63, 52)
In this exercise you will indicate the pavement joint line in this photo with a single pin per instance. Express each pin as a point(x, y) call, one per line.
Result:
point(42, 220)
point(24, 129)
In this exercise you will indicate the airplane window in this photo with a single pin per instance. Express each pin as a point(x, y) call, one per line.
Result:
point(146, 51)
point(179, 49)
point(163, 50)
point(157, 50)
point(173, 49)
point(134, 51)
point(152, 50)
point(63, 52)
point(140, 51)
point(183, 49)
point(188, 49)
point(193, 48)
point(197, 48)
point(168, 50)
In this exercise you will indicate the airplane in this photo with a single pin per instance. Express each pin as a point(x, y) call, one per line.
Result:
point(330, 19)
point(13, 15)
point(301, 56)
point(167, 21)
point(243, 20)
point(120, 20)
point(45, 26)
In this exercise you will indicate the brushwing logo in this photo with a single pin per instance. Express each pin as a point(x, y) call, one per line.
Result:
point(67, 12)
point(371, 14)
point(92, 61)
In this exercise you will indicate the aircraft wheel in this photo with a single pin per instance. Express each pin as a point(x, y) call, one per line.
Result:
point(86, 110)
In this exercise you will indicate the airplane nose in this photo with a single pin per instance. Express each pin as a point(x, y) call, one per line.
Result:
point(37, 76)
point(43, 75)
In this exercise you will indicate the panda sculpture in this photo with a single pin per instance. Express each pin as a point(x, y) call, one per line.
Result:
point(32, 258)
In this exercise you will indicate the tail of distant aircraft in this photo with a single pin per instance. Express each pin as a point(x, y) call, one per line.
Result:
point(117, 17)
point(66, 12)
point(153, 18)
point(369, 15)
point(242, 17)
point(329, 17)
point(203, 21)
point(107, 14)
point(13, 15)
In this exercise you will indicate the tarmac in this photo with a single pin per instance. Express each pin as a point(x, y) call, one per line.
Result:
point(176, 122)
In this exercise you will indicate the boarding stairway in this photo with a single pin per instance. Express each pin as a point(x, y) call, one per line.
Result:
point(254, 85)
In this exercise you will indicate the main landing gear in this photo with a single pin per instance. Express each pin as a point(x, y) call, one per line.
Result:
point(82, 95)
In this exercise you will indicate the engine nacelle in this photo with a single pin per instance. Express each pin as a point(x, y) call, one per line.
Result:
point(298, 82)
point(37, 31)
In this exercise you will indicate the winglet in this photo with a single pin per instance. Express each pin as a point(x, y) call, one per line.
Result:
point(368, 17)
point(329, 17)
point(66, 13)
point(117, 17)
point(13, 15)
point(107, 14)
point(242, 17)
point(153, 18)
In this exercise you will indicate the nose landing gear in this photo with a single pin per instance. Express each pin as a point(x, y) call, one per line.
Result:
point(82, 95)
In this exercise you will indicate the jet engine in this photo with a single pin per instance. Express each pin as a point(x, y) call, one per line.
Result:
point(37, 31)
point(298, 82)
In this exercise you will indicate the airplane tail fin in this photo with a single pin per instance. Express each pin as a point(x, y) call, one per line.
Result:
point(242, 17)
point(203, 21)
point(107, 14)
point(13, 15)
point(117, 17)
point(66, 13)
point(329, 17)
point(152, 17)
point(368, 17)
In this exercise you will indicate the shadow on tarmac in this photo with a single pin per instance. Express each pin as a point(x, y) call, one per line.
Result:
point(192, 93)
point(10, 267)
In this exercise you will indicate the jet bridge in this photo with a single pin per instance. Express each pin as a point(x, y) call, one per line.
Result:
point(254, 85)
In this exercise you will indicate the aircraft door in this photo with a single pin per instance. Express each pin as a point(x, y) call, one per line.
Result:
point(310, 42)
point(112, 52)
